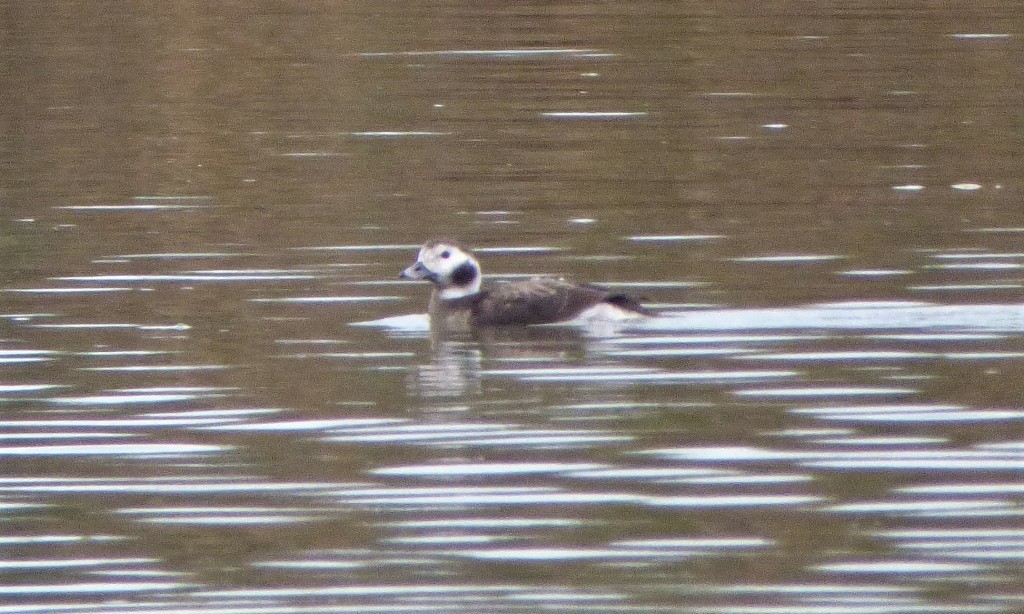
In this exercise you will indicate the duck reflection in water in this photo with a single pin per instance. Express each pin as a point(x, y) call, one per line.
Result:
point(457, 358)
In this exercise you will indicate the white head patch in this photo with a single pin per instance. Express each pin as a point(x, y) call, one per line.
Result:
point(451, 268)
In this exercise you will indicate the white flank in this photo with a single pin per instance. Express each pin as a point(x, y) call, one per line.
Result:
point(606, 312)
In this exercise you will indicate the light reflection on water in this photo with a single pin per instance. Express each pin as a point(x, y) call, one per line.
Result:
point(512, 428)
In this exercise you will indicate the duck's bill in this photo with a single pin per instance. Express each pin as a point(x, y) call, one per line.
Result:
point(418, 271)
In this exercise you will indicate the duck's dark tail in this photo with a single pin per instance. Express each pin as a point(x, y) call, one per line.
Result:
point(629, 303)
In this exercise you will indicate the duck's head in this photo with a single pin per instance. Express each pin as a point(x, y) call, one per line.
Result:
point(449, 266)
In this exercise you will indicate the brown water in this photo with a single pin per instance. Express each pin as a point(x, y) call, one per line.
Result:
point(197, 202)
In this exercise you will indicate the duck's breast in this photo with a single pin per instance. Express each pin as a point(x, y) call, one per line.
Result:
point(450, 315)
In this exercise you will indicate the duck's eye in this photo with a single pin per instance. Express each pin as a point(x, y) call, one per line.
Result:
point(445, 254)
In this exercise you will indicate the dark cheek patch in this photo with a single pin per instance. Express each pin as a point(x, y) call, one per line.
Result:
point(464, 274)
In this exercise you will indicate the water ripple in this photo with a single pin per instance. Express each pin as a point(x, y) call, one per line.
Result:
point(225, 516)
point(475, 434)
point(90, 588)
point(127, 450)
point(482, 469)
point(177, 486)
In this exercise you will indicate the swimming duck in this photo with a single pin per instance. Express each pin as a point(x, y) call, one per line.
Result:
point(460, 301)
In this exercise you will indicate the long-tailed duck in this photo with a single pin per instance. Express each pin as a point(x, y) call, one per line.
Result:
point(460, 301)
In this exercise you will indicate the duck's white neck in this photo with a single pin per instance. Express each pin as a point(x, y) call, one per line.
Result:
point(455, 292)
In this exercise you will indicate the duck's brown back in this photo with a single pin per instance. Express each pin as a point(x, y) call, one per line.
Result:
point(542, 301)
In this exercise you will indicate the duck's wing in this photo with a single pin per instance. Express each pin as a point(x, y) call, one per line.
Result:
point(536, 301)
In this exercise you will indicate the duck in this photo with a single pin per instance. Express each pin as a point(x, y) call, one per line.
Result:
point(461, 301)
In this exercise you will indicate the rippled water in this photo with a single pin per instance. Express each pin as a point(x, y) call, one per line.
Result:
point(216, 395)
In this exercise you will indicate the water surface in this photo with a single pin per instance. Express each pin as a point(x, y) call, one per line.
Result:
point(217, 396)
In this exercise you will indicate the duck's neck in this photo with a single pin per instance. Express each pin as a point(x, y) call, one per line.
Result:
point(454, 293)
